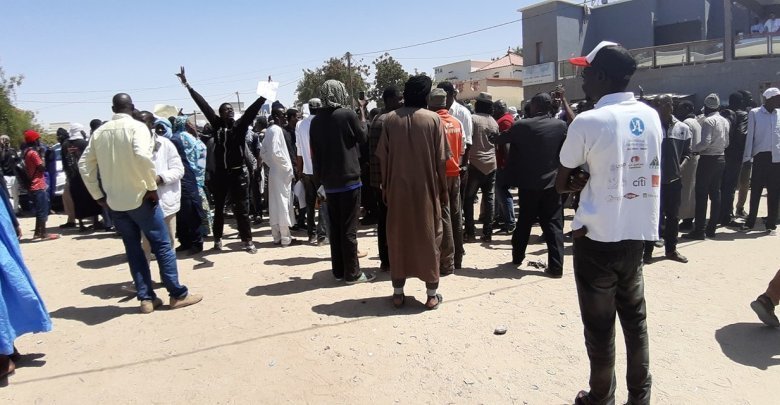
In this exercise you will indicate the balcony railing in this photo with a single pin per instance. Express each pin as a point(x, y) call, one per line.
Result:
point(692, 53)
point(686, 53)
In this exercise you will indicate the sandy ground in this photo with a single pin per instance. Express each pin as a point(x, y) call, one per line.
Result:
point(277, 328)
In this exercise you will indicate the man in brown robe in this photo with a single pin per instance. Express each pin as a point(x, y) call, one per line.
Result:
point(412, 153)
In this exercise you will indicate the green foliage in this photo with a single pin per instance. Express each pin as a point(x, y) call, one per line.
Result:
point(13, 121)
point(336, 69)
point(388, 72)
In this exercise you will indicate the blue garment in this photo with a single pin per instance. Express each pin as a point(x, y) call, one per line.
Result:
point(40, 200)
point(148, 218)
point(21, 308)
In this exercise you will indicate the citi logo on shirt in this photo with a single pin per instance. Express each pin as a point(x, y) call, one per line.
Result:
point(640, 182)
point(637, 127)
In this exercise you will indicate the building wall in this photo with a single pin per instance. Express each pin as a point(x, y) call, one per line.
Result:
point(512, 72)
point(754, 75)
point(456, 71)
point(630, 23)
point(539, 26)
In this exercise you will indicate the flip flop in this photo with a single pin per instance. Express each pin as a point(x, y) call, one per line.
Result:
point(439, 300)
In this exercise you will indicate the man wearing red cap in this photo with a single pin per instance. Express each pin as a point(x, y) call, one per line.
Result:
point(619, 144)
point(37, 190)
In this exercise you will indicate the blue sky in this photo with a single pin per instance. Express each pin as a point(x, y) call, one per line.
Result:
point(76, 54)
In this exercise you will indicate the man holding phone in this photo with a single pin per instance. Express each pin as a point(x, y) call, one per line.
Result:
point(619, 144)
point(119, 173)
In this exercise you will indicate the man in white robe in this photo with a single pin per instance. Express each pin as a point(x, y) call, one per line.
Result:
point(276, 155)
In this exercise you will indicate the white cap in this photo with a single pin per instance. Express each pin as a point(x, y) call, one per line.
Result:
point(771, 92)
point(585, 61)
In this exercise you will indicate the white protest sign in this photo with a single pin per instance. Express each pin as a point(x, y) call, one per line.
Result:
point(267, 89)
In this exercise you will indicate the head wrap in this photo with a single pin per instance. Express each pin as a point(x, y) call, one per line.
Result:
point(334, 94)
point(276, 105)
point(179, 124)
point(416, 91)
point(76, 131)
point(166, 124)
point(31, 136)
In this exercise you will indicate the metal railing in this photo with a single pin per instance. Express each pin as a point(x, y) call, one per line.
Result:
point(686, 53)
point(756, 46)
point(692, 53)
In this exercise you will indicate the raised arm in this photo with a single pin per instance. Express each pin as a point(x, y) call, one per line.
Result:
point(249, 115)
point(205, 108)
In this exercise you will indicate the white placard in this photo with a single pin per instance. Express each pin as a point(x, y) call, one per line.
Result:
point(267, 89)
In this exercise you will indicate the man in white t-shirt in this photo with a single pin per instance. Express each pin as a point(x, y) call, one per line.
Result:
point(303, 164)
point(612, 154)
point(772, 24)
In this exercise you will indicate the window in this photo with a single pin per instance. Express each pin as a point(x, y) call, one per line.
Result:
point(539, 54)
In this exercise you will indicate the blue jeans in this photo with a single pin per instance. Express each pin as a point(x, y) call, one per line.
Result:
point(40, 200)
point(148, 218)
point(504, 205)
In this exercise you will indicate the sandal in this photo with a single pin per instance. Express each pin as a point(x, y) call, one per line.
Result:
point(7, 366)
point(439, 300)
point(399, 300)
point(15, 357)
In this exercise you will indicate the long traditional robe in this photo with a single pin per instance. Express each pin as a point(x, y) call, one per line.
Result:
point(21, 307)
point(275, 154)
point(412, 158)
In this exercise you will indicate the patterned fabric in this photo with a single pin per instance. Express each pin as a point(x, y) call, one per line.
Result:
point(334, 94)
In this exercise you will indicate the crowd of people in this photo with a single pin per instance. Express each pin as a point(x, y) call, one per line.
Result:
point(636, 171)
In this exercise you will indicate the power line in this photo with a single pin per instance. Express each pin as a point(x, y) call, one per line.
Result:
point(440, 39)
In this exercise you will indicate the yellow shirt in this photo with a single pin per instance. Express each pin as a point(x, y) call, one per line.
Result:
point(117, 163)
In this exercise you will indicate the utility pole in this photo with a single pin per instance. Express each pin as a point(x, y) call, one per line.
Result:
point(238, 99)
point(349, 73)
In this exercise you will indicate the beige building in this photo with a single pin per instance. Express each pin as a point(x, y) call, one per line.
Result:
point(502, 78)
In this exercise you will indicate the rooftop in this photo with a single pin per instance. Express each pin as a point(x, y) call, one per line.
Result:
point(510, 59)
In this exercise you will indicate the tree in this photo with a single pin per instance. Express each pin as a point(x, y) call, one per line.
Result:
point(388, 72)
point(336, 69)
point(13, 121)
point(518, 50)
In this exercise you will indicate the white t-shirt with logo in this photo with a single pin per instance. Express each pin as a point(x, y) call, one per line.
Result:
point(619, 144)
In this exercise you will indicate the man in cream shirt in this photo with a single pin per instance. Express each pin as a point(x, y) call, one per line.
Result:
point(119, 173)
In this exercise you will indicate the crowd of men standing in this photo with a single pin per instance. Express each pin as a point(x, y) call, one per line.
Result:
point(632, 170)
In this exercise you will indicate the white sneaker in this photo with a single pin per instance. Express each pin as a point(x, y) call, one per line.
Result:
point(772, 232)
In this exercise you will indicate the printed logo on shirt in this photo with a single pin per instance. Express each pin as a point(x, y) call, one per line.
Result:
point(635, 145)
point(656, 180)
point(613, 198)
point(649, 195)
point(640, 182)
point(637, 127)
point(630, 196)
point(615, 183)
point(654, 163)
point(636, 162)
point(618, 166)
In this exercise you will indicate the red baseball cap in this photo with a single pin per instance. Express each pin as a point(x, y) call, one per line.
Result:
point(31, 136)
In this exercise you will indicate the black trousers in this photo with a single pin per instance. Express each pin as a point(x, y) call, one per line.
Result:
point(344, 213)
point(765, 175)
point(709, 174)
point(310, 185)
point(189, 219)
point(486, 183)
point(609, 281)
point(235, 183)
point(381, 229)
point(256, 193)
point(544, 206)
point(669, 224)
point(728, 187)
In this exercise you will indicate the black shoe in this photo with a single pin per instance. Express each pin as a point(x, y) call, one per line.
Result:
point(710, 233)
point(686, 225)
point(486, 238)
point(312, 239)
point(554, 273)
point(196, 248)
point(745, 228)
point(458, 264)
point(68, 225)
point(183, 248)
point(695, 235)
point(468, 238)
point(765, 309)
point(370, 220)
point(647, 259)
point(677, 257)
point(741, 214)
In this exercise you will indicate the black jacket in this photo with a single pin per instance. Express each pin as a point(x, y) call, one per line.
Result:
point(229, 139)
point(334, 138)
point(675, 149)
point(534, 152)
point(737, 135)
